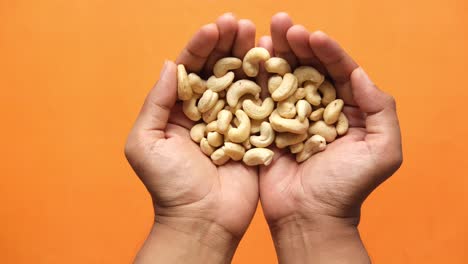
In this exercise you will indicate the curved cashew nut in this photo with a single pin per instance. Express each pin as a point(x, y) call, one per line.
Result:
point(300, 93)
point(240, 88)
point(211, 127)
point(303, 109)
point(274, 82)
point(283, 140)
point(313, 145)
point(218, 84)
point(287, 88)
point(207, 101)
point(342, 125)
point(328, 92)
point(190, 109)
point(197, 84)
point(219, 157)
point(255, 125)
point(312, 95)
point(205, 147)
point(295, 126)
point(257, 112)
point(287, 108)
point(267, 136)
point(184, 91)
point(234, 151)
point(277, 65)
point(252, 59)
point(305, 73)
point(247, 144)
point(224, 119)
point(258, 156)
point(296, 148)
point(332, 111)
point(242, 132)
point(215, 139)
point(211, 114)
point(197, 132)
point(316, 115)
point(323, 129)
point(224, 65)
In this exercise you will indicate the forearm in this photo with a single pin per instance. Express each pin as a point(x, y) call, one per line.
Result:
point(187, 242)
point(324, 240)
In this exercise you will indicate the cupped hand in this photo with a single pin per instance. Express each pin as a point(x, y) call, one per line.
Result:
point(189, 192)
point(336, 181)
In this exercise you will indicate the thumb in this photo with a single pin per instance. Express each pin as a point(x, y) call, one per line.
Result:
point(158, 104)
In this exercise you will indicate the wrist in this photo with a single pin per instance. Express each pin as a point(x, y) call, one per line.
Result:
point(185, 240)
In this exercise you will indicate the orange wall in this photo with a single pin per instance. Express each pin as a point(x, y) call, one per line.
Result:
point(74, 73)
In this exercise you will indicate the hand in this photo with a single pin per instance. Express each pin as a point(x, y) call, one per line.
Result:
point(193, 199)
point(325, 193)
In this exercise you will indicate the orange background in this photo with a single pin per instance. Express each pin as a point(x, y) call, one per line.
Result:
point(74, 73)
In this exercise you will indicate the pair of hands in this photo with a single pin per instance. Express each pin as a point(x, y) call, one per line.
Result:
point(307, 205)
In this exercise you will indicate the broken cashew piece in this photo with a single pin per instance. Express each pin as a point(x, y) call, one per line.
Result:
point(323, 129)
point(313, 145)
point(197, 132)
point(305, 73)
point(241, 88)
point(277, 65)
point(332, 111)
point(205, 147)
point(296, 148)
point(184, 91)
point(303, 109)
point(316, 115)
point(312, 94)
point(274, 82)
point(252, 59)
point(234, 151)
point(211, 114)
point(258, 156)
point(258, 112)
point(224, 65)
point(295, 126)
point(219, 157)
point(207, 101)
point(242, 132)
point(283, 140)
point(218, 84)
point(197, 84)
point(287, 88)
point(224, 120)
point(266, 137)
point(190, 108)
point(342, 124)
point(328, 92)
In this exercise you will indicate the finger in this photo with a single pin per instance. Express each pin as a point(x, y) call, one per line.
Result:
point(262, 78)
point(280, 24)
point(298, 39)
point(381, 120)
point(245, 38)
point(179, 118)
point(159, 102)
point(227, 28)
point(195, 54)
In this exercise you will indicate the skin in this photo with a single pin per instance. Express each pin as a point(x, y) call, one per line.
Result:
point(312, 208)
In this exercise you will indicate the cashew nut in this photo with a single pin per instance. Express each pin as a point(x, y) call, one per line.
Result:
point(247, 144)
point(218, 84)
point(207, 101)
point(287, 108)
point(224, 65)
point(258, 156)
point(234, 151)
point(283, 140)
point(197, 132)
point(280, 124)
point(211, 127)
point(304, 73)
point(312, 95)
point(300, 93)
point(242, 132)
point(266, 137)
point(296, 148)
point(274, 82)
point(211, 114)
point(219, 157)
point(342, 124)
point(215, 139)
point(190, 109)
point(287, 88)
point(252, 59)
point(255, 111)
point(328, 92)
point(277, 65)
point(303, 109)
point(323, 129)
point(205, 147)
point(332, 111)
point(255, 125)
point(224, 119)
point(316, 115)
point(313, 145)
point(197, 84)
point(241, 88)
point(184, 91)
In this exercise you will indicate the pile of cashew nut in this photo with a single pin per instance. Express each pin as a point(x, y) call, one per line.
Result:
point(301, 113)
